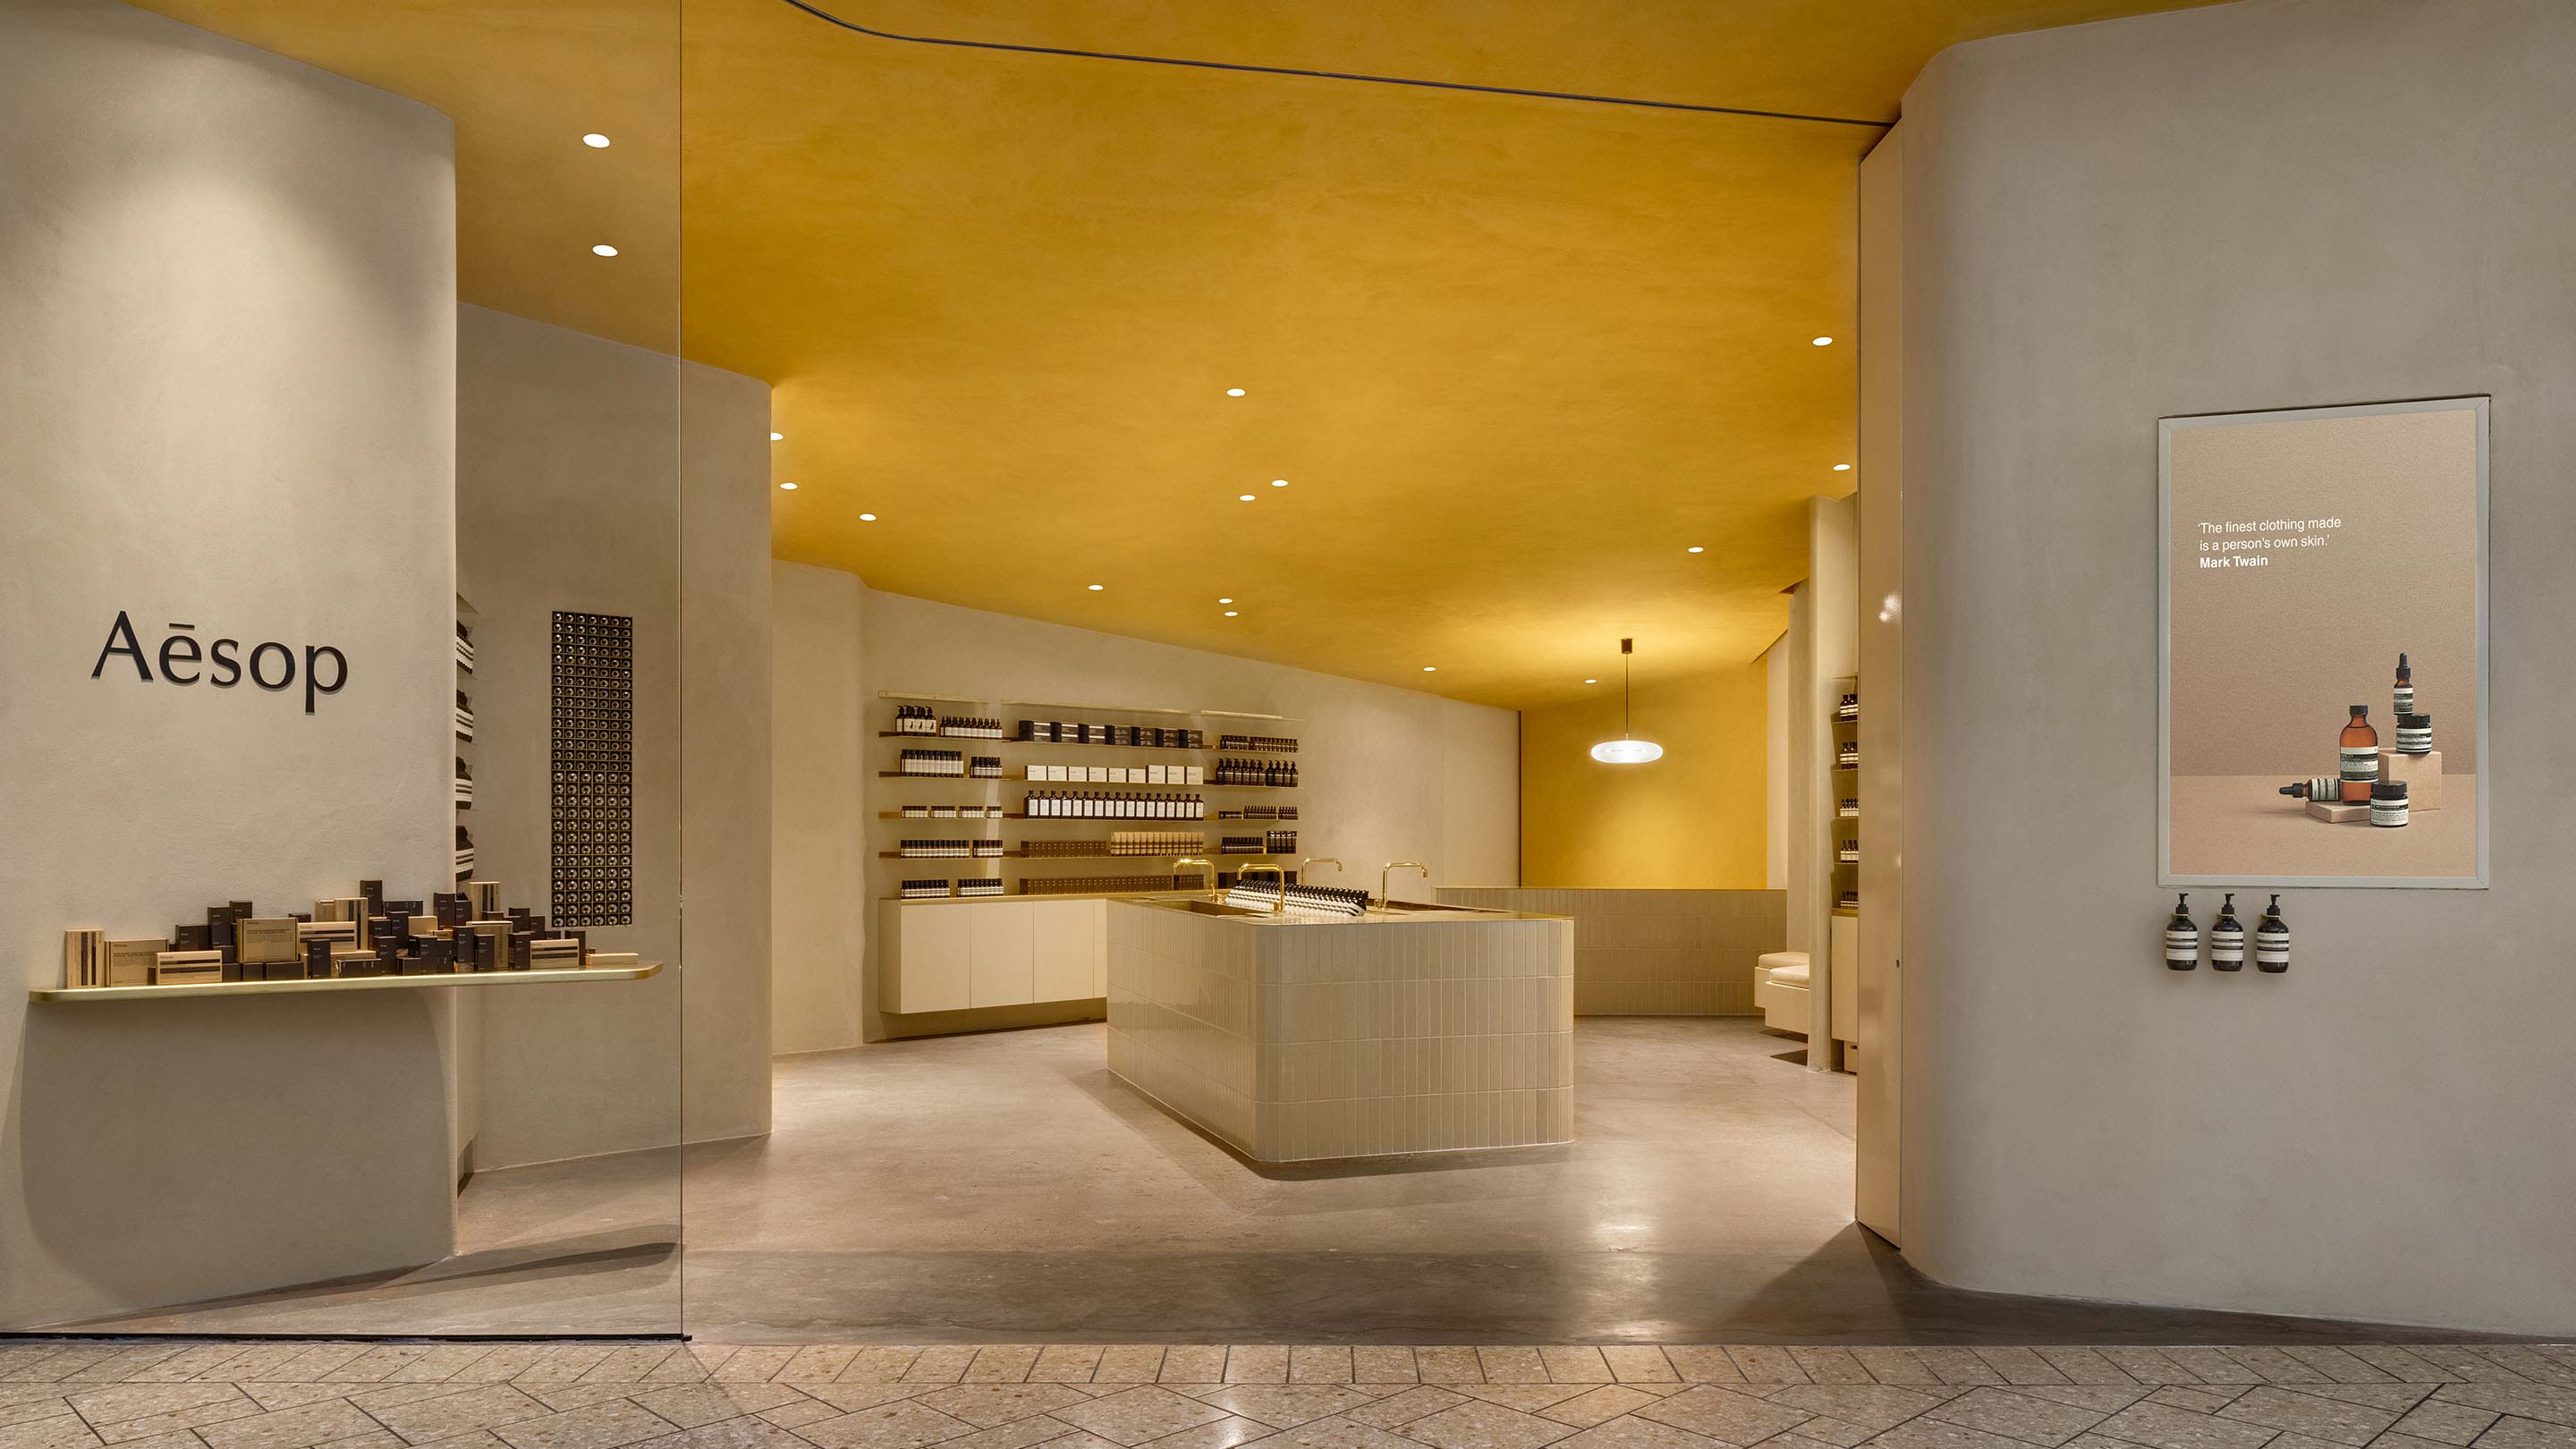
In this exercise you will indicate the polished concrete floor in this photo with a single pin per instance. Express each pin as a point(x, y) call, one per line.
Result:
point(1005, 1187)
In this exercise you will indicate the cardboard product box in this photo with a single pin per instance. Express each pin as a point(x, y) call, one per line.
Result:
point(353, 961)
point(187, 968)
point(2336, 812)
point(267, 940)
point(129, 963)
point(2422, 774)
point(373, 893)
point(317, 959)
point(84, 957)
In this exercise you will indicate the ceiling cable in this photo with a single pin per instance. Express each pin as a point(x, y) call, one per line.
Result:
point(1375, 80)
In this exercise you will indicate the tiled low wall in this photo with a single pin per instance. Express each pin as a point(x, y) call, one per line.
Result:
point(1300, 1042)
point(1656, 953)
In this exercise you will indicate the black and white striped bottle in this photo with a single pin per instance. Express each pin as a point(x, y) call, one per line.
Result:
point(2227, 938)
point(2182, 938)
point(2272, 940)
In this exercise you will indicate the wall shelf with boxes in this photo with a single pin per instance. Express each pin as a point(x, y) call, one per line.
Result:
point(438, 981)
point(367, 937)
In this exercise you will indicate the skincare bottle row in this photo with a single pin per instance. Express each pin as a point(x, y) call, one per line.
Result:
point(2227, 939)
point(1265, 744)
point(1063, 805)
point(959, 849)
point(1278, 774)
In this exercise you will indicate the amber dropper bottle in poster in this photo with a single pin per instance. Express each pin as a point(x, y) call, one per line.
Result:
point(2359, 749)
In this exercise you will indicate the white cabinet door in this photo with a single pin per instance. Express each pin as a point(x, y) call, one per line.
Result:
point(1099, 928)
point(927, 970)
point(1001, 953)
point(1069, 949)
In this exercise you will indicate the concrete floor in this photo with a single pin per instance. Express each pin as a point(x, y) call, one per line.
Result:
point(1005, 1187)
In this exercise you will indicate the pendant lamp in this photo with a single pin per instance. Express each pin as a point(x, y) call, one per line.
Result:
point(1626, 750)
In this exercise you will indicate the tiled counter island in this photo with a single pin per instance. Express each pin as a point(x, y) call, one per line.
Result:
point(1420, 1029)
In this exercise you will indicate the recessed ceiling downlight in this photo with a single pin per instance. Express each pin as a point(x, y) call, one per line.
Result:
point(1842, 467)
point(1695, 548)
point(1243, 498)
point(1231, 613)
point(595, 141)
point(1430, 668)
point(867, 518)
point(1225, 601)
point(1095, 588)
point(777, 437)
point(1234, 392)
point(1822, 341)
point(603, 250)
point(1278, 482)
point(786, 487)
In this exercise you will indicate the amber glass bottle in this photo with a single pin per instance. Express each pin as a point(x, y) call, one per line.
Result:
point(2359, 749)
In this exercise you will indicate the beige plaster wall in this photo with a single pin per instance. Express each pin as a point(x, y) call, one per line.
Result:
point(2279, 203)
point(227, 291)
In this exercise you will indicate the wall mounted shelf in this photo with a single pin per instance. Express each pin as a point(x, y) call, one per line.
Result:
point(635, 972)
point(1159, 710)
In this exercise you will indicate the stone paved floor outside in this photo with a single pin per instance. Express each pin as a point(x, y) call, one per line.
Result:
point(273, 1394)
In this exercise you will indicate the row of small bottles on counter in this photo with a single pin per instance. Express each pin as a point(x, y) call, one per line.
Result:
point(923, 890)
point(2227, 938)
point(1110, 805)
point(1278, 774)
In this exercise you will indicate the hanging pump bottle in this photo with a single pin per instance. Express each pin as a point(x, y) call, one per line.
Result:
point(2182, 938)
point(2227, 938)
point(2272, 940)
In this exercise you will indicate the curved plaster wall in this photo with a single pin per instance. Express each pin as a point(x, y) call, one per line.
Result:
point(227, 398)
point(2263, 205)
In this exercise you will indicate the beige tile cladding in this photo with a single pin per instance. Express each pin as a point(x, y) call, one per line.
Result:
point(1656, 953)
point(1294, 1043)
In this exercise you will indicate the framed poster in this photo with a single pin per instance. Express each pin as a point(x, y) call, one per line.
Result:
point(2323, 622)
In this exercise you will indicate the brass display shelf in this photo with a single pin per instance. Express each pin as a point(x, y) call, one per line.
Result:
point(636, 972)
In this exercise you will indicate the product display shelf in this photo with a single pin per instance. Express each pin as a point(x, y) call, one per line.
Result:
point(958, 779)
point(918, 735)
point(635, 972)
point(1842, 829)
point(1159, 711)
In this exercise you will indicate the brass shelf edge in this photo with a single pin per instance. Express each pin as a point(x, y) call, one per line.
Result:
point(636, 972)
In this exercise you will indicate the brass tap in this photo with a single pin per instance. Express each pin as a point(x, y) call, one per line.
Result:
point(1385, 894)
point(1181, 860)
point(1247, 871)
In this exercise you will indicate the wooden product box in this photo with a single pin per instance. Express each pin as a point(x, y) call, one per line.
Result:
point(2422, 774)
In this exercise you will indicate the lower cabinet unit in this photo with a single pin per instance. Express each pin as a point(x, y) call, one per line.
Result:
point(1072, 956)
point(1001, 953)
point(924, 965)
point(953, 955)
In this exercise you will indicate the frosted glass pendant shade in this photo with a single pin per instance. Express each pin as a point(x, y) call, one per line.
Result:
point(1627, 752)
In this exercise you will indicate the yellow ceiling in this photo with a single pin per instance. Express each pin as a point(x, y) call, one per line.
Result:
point(1512, 355)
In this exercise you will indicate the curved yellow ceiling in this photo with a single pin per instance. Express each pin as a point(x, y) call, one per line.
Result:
point(1513, 356)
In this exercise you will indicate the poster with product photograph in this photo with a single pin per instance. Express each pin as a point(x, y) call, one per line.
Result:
point(2324, 629)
